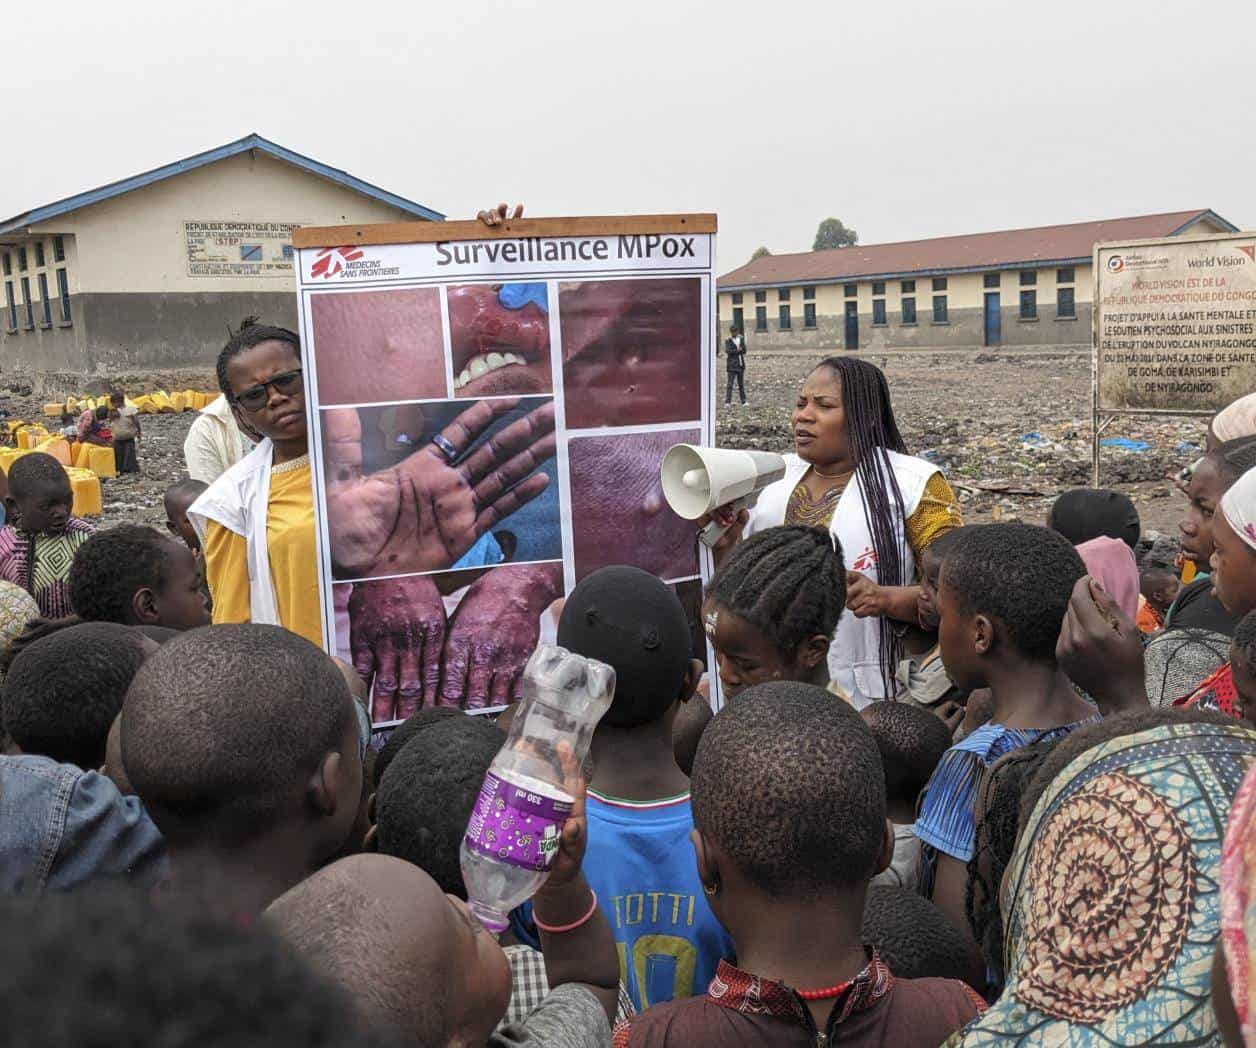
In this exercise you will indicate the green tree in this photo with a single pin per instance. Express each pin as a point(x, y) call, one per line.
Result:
point(759, 252)
point(833, 234)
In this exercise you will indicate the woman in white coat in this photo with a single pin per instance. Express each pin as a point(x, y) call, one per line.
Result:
point(851, 474)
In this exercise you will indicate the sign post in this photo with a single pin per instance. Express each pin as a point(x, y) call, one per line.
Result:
point(1174, 328)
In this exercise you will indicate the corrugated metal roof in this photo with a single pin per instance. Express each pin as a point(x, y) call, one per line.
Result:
point(974, 251)
point(253, 141)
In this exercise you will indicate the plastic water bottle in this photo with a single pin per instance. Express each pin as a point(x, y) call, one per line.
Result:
point(529, 790)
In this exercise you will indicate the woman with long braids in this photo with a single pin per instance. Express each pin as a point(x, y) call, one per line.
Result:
point(852, 475)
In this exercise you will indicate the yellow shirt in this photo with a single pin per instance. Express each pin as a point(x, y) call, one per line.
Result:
point(293, 558)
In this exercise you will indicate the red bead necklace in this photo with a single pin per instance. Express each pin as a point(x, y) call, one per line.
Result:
point(822, 994)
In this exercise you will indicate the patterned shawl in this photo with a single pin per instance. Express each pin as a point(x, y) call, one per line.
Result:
point(1238, 905)
point(1112, 896)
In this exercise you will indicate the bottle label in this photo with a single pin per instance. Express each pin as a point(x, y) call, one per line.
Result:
point(516, 825)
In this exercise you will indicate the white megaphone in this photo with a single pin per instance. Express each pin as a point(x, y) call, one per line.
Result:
point(698, 480)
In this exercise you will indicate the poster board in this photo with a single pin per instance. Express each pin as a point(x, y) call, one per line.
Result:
point(1174, 326)
point(489, 407)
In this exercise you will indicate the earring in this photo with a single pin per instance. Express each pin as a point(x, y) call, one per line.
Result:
point(711, 889)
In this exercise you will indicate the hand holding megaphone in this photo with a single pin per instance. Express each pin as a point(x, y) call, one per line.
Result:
point(698, 482)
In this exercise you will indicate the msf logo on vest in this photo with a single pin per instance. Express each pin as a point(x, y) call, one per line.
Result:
point(331, 261)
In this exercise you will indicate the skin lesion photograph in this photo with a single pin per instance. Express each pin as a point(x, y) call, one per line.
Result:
point(457, 639)
point(499, 339)
point(379, 345)
point(435, 487)
point(631, 351)
point(618, 512)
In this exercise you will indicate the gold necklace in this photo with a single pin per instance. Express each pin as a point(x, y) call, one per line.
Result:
point(831, 476)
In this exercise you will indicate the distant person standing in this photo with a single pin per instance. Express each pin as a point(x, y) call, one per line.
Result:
point(735, 349)
point(126, 434)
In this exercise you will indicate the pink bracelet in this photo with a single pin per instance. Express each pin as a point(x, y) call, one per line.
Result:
point(559, 929)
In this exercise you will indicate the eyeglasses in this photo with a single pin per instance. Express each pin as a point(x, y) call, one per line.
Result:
point(255, 397)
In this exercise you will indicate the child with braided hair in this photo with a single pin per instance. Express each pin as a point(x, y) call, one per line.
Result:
point(771, 609)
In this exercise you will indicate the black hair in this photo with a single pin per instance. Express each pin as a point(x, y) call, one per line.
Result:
point(1088, 513)
point(223, 721)
point(1235, 457)
point(914, 938)
point(63, 691)
point(404, 732)
point(34, 630)
point(34, 472)
point(1245, 640)
point(426, 796)
point(129, 974)
point(911, 741)
point(939, 547)
point(788, 582)
point(999, 796)
point(66, 418)
point(633, 622)
point(249, 334)
point(102, 413)
point(873, 431)
point(187, 488)
point(1020, 574)
point(112, 565)
point(117, 398)
point(788, 783)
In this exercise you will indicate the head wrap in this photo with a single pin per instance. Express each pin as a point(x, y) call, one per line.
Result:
point(1236, 420)
point(1178, 661)
point(1086, 513)
point(1112, 895)
point(1238, 506)
point(1111, 563)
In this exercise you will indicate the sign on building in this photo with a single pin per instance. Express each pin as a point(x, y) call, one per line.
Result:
point(489, 409)
point(239, 249)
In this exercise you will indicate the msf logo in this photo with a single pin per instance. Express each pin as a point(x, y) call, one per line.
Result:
point(331, 260)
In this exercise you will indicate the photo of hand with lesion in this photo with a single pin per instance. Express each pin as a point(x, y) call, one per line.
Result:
point(439, 486)
point(458, 639)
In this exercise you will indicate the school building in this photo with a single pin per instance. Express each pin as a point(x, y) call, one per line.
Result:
point(1018, 287)
point(153, 270)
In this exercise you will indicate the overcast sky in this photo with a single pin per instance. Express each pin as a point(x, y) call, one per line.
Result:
point(906, 120)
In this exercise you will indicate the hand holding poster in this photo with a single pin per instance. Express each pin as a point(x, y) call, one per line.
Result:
point(493, 405)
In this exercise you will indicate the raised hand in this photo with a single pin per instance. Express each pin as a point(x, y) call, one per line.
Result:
point(428, 510)
point(396, 634)
point(1101, 651)
point(494, 632)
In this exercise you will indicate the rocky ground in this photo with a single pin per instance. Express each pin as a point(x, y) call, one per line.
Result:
point(1011, 430)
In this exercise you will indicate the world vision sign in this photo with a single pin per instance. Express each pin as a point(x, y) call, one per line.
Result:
point(1175, 323)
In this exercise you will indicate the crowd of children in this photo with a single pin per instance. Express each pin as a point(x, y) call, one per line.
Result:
point(1042, 838)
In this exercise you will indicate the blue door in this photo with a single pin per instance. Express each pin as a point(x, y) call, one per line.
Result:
point(852, 325)
point(994, 327)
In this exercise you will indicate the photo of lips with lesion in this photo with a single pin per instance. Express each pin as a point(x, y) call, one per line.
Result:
point(618, 512)
point(499, 339)
point(632, 351)
point(373, 346)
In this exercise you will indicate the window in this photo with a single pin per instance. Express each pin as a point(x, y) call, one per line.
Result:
point(1064, 276)
point(1029, 305)
point(809, 294)
point(760, 296)
point(58, 249)
point(909, 311)
point(761, 318)
point(1065, 307)
point(808, 314)
point(908, 287)
point(8, 265)
point(878, 311)
point(850, 290)
point(736, 298)
point(1028, 277)
point(782, 294)
point(939, 283)
point(878, 287)
point(21, 259)
point(739, 318)
point(784, 318)
point(939, 309)
point(39, 254)
point(12, 303)
point(991, 280)
point(30, 306)
point(63, 289)
point(44, 301)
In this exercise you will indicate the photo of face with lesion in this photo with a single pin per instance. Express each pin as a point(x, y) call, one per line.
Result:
point(618, 512)
point(499, 339)
point(439, 486)
point(373, 346)
point(632, 351)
